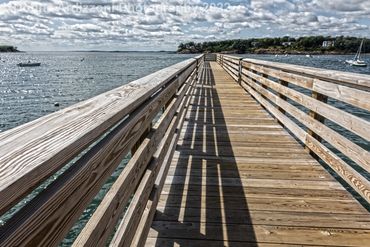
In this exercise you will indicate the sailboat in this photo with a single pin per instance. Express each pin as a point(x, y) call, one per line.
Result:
point(357, 59)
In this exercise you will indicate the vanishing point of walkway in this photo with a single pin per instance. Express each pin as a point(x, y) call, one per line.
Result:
point(239, 179)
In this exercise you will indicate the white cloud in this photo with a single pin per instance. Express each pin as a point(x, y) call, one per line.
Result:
point(127, 23)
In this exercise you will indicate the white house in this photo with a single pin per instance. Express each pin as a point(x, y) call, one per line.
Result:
point(287, 43)
point(328, 43)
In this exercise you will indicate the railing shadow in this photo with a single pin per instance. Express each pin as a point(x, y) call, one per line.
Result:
point(206, 200)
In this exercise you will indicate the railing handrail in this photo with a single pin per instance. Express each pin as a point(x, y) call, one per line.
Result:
point(232, 57)
point(342, 90)
point(112, 122)
point(268, 83)
point(355, 80)
point(347, 78)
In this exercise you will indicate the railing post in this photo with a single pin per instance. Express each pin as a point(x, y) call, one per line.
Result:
point(197, 70)
point(283, 97)
point(318, 117)
point(263, 85)
point(240, 70)
point(146, 132)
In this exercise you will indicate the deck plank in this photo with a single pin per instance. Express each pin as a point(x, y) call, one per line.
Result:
point(238, 178)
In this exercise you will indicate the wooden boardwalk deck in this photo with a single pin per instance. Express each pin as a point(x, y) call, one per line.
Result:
point(239, 179)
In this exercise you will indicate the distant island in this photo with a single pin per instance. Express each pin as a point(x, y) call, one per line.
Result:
point(280, 45)
point(8, 48)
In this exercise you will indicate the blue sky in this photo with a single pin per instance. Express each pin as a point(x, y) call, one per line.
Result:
point(163, 24)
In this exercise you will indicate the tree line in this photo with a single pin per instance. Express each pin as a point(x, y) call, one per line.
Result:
point(285, 44)
point(8, 48)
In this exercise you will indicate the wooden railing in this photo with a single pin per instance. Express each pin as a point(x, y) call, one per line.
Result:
point(77, 149)
point(317, 106)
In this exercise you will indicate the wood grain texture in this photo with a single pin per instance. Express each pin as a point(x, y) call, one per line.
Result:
point(218, 168)
point(51, 214)
point(349, 79)
point(128, 227)
point(350, 175)
point(234, 181)
point(351, 122)
point(131, 222)
point(32, 152)
point(356, 97)
point(149, 211)
point(350, 149)
point(264, 233)
point(104, 219)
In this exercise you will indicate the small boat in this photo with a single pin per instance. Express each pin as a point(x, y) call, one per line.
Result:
point(309, 55)
point(357, 59)
point(29, 64)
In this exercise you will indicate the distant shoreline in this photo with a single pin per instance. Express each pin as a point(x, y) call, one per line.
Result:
point(316, 53)
point(8, 49)
point(260, 52)
point(313, 45)
point(102, 51)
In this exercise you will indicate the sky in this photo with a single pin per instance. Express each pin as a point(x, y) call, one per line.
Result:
point(163, 24)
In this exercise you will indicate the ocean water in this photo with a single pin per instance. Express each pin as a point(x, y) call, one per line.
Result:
point(29, 93)
point(69, 77)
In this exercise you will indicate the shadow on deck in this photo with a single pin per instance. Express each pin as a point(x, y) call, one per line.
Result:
point(202, 205)
point(239, 179)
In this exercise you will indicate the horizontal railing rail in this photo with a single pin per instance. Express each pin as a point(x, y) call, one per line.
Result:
point(315, 117)
point(71, 154)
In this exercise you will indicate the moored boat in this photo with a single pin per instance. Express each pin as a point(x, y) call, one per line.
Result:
point(356, 61)
point(29, 64)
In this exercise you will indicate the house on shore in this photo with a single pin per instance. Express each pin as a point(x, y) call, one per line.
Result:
point(286, 44)
point(328, 43)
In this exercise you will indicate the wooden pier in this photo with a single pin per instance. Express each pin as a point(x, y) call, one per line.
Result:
point(224, 152)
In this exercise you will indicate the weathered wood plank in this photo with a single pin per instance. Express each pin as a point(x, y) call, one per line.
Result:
point(254, 191)
point(51, 214)
point(131, 222)
point(127, 228)
point(350, 79)
point(149, 211)
point(353, 151)
point(254, 174)
point(261, 233)
point(350, 175)
point(220, 191)
point(104, 219)
point(264, 217)
point(353, 123)
point(170, 242)
point(262, 183)
point(32, 152)
point(353, 96)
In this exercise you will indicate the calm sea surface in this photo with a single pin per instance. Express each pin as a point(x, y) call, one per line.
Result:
point(29, 93)
point(69, 77)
